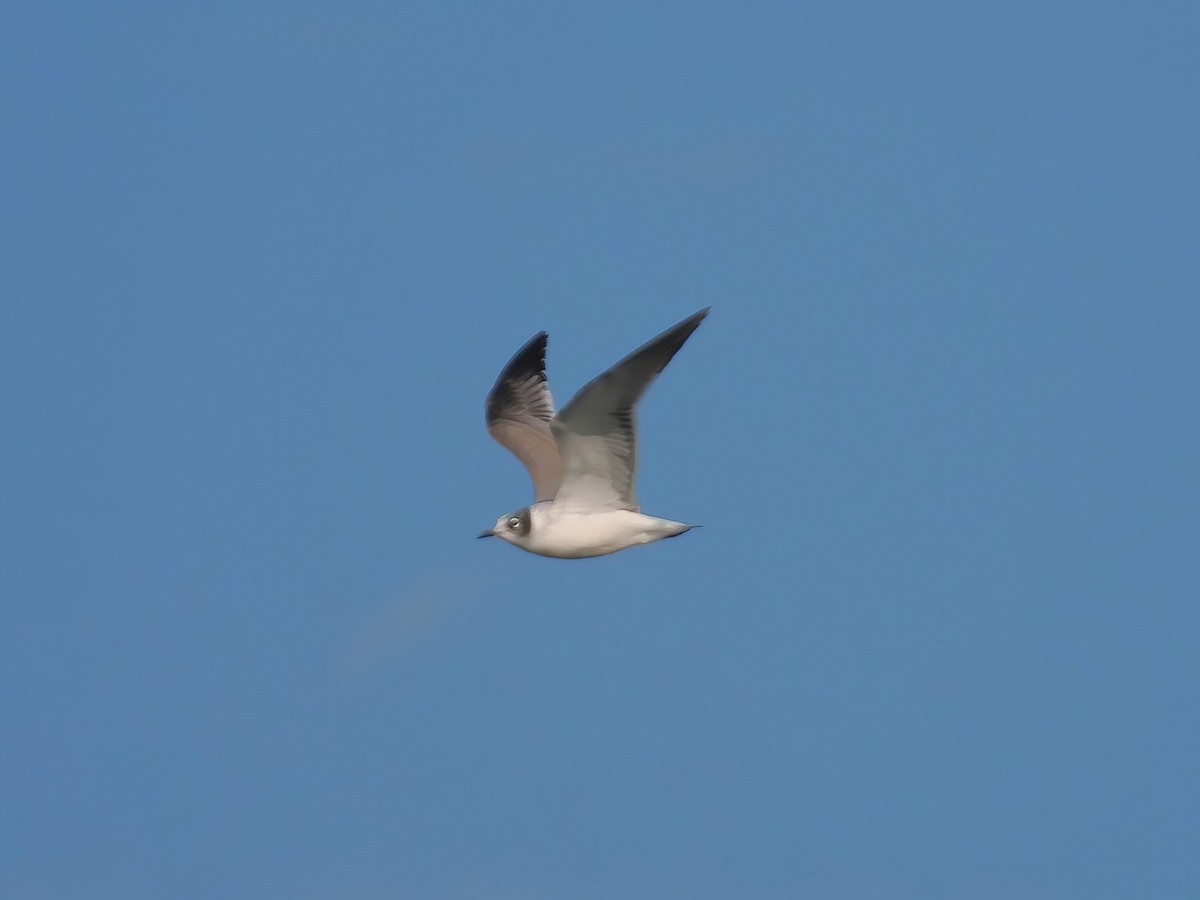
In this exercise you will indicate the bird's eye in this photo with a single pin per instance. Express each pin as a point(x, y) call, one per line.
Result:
point(514, 522)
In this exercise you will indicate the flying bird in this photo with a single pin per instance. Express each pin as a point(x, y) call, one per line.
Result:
point(583, 460)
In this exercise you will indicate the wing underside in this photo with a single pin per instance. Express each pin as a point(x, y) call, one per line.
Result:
point(519, 410)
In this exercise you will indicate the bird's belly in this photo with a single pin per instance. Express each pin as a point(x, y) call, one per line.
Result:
point(579, 535)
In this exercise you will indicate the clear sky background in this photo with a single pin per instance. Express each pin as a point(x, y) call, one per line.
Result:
point(260, 264)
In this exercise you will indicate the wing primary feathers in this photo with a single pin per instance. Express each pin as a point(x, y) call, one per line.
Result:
point(526, 368)
point(519, 409)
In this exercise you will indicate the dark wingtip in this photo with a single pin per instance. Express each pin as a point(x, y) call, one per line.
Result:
point(529, 361)
point(670, 341)
point(690, 324)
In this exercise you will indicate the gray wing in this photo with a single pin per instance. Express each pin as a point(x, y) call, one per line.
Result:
point(519, 410)
point(596, 432)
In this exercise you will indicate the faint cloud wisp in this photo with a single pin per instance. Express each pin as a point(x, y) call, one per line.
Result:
point(417, 618)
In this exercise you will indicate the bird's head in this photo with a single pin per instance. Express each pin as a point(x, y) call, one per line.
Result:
point(513, 528)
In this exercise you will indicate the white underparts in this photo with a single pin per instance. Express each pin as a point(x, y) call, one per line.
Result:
point(568, 535)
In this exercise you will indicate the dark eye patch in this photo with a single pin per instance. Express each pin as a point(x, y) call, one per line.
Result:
point(519, 523)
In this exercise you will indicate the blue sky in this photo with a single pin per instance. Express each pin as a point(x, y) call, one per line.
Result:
point(259, 265)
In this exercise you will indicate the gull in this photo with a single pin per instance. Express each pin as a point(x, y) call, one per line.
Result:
point(583, 460)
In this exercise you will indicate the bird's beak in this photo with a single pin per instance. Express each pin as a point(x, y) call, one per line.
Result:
point(484, 534)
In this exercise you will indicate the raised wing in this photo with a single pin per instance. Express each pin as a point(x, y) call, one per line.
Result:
point(596, 431)
point(519, 410)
